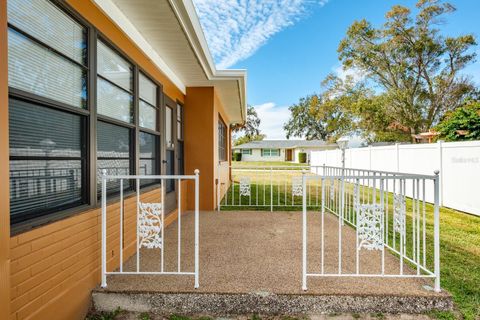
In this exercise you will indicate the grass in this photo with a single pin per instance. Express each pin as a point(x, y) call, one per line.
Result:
point(241, 164)
point(459, 240)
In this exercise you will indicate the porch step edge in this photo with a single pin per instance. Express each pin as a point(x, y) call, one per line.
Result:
point(214, 304)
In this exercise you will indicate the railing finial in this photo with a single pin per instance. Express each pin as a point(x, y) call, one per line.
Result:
point(436, 172)
point(197, 172)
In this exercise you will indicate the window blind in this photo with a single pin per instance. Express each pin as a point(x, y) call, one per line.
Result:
point(46, 159)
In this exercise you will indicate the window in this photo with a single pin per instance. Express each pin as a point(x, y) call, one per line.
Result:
point(149, 164)
point(47, 78)
point(270, 152)
point(148, 113)
point(114, 85)
point(46, 52)
point(222, 140)
point(47, 160)
point(113, 154)
point(169, 127)
point(180, 158)
point(247, 151)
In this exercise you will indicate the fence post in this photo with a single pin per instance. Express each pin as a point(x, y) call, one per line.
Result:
point(397, 147)
point(436, 232)
point(304, 232)
point(197, 225)
point(104, 228)
point(440, 160)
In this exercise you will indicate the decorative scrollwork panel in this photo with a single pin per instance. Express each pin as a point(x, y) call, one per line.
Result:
point(369, 224)
point(150, 225)
point(297, 186)
point(245, 186)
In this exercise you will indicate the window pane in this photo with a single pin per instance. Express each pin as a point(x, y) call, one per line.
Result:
point(147, 116)
point(148, 90)
point(181, 165)
point(222, 133)
point(170, 183)
point(43, 132)
point(168, 127)
point(114, 102)
point(113, 152)
point(113, 67)
point(39, 186)
point(149, 162)
point(50, 25)
point(179, 122)
point(35, 69)
point(112, 141)
point(39, 181)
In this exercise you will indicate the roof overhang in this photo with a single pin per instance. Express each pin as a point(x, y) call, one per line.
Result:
point(170, 34)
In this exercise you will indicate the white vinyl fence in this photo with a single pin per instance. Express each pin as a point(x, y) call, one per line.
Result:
point(458, 163)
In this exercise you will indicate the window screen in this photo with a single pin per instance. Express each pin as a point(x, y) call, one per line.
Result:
point(149, 161)
point(113, 153)
point(247, 151)
point(47, 157)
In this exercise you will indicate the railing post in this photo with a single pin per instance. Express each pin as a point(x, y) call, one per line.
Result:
point(218, 188)
point(197, 227)
point(271, 189)
point(436, 231)
point(104, 228)
point(304, 232)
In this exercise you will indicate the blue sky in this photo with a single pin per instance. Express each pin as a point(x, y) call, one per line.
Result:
point(289, 46)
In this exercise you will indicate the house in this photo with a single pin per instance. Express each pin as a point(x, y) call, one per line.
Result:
point(281, 150)
point(89, 85)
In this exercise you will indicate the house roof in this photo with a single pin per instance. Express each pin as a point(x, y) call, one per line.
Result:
point(170, 34)
point(282, 144)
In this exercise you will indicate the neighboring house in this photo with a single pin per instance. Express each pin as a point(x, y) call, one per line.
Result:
point(280, 150)
point(87, 85)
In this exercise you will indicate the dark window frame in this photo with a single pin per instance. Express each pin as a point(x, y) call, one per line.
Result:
point(90, 119)
point(28, 220)
point(222, 140)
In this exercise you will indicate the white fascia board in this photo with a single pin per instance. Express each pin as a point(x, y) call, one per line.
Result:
point(117, 16)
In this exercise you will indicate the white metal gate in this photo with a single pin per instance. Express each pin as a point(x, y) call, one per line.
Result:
point(150, 223)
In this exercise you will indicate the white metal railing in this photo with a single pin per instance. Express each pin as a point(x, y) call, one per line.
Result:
point(382, 212)
point(265, 187)
point(150, 224)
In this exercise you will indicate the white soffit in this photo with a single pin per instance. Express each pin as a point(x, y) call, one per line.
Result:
point(170, 34)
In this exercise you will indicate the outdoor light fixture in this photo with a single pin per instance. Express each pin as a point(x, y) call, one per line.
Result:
point(342, 143)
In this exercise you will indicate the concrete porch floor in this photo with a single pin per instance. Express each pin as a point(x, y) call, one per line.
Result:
point(260, 253)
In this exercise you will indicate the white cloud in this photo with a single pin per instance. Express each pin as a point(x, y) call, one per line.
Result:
point(272, 119)
point(235, 29)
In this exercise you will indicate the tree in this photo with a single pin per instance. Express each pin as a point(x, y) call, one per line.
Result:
point(324, 117)
point(250, 131)
point(461, 124)
point(415, 66)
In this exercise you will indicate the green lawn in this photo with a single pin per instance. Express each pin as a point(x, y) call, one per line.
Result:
point(241, 164)
point(459, 240)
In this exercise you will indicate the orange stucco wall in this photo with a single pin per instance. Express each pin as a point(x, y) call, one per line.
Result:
point(55, 267)
point(48, 272)
point(202, 111)
point(4, 171)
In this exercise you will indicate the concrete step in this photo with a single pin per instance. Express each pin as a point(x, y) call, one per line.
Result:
point(231, 304)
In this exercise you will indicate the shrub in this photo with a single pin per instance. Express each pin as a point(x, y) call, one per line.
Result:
point(302, 157)
point(237, 156)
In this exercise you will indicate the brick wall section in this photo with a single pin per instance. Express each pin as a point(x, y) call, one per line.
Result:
point(54, 268)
